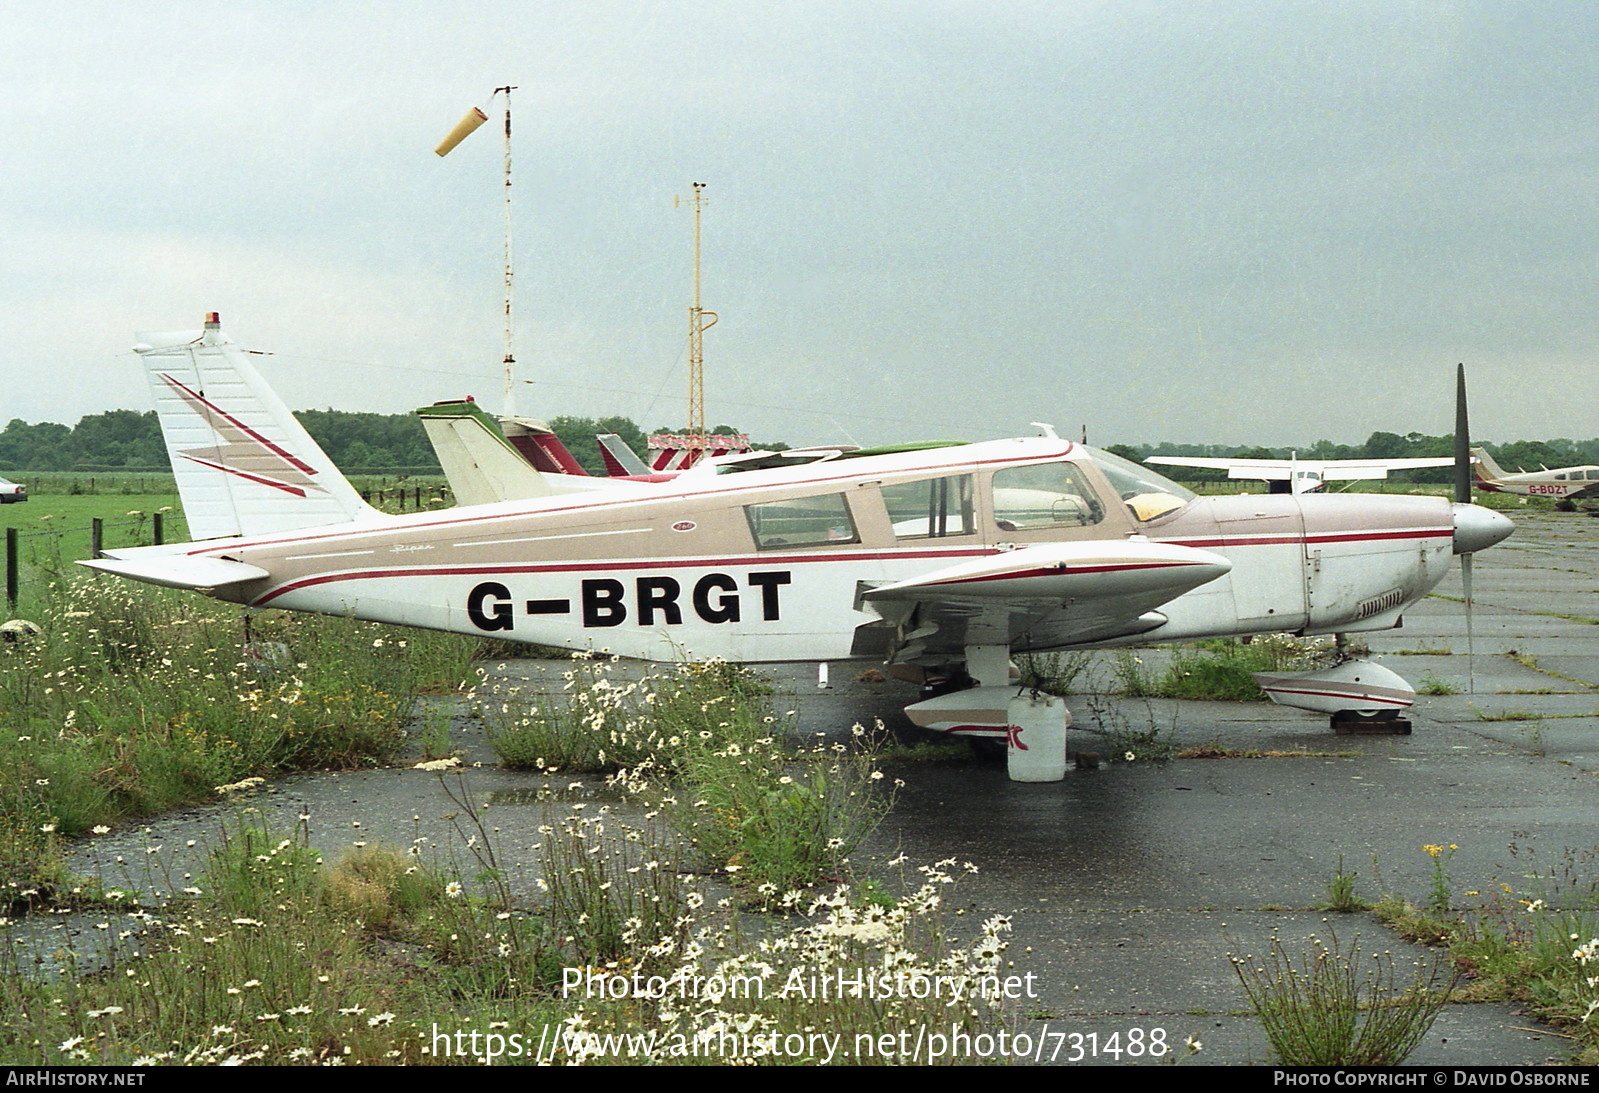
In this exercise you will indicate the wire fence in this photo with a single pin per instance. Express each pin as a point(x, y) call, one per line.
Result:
point(37, 556)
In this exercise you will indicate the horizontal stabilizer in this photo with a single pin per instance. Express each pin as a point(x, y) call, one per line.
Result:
point(180, 570)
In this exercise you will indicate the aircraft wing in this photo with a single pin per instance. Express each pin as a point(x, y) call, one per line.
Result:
point(1037, 597)
point(1350, 470)
point(1280, 470)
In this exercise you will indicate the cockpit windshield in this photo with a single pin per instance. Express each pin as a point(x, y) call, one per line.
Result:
point(1147, 495)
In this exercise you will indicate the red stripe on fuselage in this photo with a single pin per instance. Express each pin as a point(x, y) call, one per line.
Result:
point(607, 567)
point(1312, 537)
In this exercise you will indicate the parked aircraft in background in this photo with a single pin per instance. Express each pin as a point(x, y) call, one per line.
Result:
point(1301, 475)
point(1568, 483)
point(940, 561)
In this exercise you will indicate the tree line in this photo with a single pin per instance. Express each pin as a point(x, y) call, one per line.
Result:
point(358, 443)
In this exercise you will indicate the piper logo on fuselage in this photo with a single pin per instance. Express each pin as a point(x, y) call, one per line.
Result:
point(654, 601)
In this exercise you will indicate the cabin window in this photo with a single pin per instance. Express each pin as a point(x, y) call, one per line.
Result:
point(1049, 495)
point(931, 508)
point(802, 521)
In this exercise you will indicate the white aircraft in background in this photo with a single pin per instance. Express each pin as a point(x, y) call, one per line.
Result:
point(1569, 483)
point(940, 562)
point(1301, 475)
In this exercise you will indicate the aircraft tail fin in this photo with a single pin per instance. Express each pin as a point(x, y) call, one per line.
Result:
point(485, 466)
point(479, 462)
point(1485, 468)
point(540, 446)
point(243, 464)
point(619, 459)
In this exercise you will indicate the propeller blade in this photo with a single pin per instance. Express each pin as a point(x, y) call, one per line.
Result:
point(1462, 440)
point(1463, 497)
point(1471, 645)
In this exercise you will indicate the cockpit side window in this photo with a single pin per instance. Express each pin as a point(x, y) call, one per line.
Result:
point(930, 508)
point(802, 521)
point(1046, 495)
point(1147, 495)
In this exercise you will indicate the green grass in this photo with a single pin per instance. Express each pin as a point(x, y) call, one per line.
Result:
point(1219, 669)
point(280, 957)
point(137, 700)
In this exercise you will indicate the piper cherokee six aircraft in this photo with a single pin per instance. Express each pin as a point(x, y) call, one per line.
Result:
point(939, 560)
point(1568, 483)
point(1301, 475)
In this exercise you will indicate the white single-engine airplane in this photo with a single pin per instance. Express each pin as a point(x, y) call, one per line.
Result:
point(1301, 475)
point(941, 560)
point(1562, 483)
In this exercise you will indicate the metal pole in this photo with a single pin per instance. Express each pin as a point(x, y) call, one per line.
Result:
point(510, 354)
point(11, 568)
point(697, 326)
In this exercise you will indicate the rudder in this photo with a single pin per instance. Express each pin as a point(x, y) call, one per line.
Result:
point(243, 464)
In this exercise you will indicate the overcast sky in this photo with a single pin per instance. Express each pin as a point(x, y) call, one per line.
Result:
point(1216, 222)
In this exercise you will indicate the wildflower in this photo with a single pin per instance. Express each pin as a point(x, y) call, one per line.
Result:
point(99, 829)
point(453, 889)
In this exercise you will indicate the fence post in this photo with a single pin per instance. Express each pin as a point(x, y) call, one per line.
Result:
point(11, 568)
point(96, 536)
point(157, 531)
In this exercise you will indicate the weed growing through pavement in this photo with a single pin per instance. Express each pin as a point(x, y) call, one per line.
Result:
point(700, 745)
point(1053, 673)
point(1335, 1006)
point(1222, 668)
point(1341, 895)
point(1146, 738)
point(1439, 898)
point(1534, 942)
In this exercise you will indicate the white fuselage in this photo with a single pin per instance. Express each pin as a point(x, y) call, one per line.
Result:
point(682, 570)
